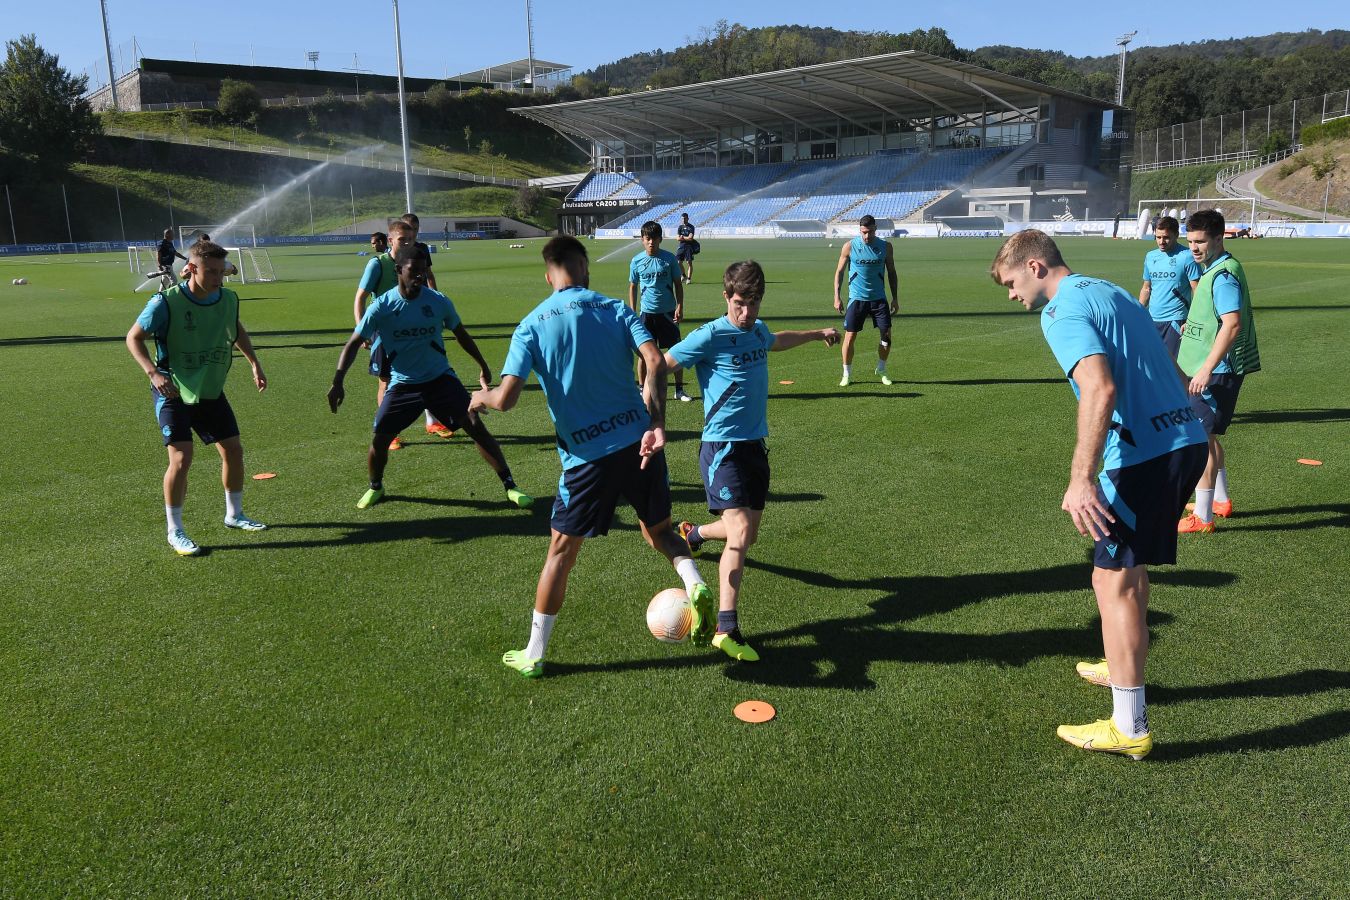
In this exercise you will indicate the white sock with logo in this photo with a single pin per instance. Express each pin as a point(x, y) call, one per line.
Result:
point(174, 515)
point(1128, 711)
point(1221, 486)
point(688, 573)
point(848, 370)
point(1204, 505)
point(234, 504)
point(541, 628)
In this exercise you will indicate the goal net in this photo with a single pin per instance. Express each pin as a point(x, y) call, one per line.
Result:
point(253, 264)
point(225, 235)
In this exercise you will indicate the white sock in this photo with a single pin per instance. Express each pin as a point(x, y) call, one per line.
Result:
point(881, 365)
point(1204, 505)
point(174, 515)
point(541, 628)
point(1129, 711)
point(848, 370)
point(1221, 486)
point(234, 504)
point(687, 571)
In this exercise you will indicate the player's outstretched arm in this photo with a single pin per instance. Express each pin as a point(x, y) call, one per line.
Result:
point(501, 398)
point(245, 345)
point(1097, 397)
point(336, 393)
point(786, 340)
point(470, 347)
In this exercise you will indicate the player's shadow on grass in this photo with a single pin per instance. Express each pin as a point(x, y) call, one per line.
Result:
point(1339, 518)
point(1294, 684)
point(1307, 733)
point(840, 652)
point(1280, 416)
point(982, 382)
point(848, 393)
point(45, 340)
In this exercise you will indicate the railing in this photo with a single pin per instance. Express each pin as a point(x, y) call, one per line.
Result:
point(1224, 180)
point(314, 155)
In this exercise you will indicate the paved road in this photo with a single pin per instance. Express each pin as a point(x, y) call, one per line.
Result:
point(1245, 183)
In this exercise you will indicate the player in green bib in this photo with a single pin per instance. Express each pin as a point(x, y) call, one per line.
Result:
point(1218, 350)
point(195, 324)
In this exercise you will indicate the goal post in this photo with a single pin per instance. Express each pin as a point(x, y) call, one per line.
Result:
point(1235, 210)
point(236, 235)
point(253, 264)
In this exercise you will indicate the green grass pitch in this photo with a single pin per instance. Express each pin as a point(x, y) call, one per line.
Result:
point(319, 710)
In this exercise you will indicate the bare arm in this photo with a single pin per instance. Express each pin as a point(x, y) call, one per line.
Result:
point(632, 297)
point(893, 278)
point(501, 398)
point(359, 307)
point(1146, 293)
point(431, 278)
point(679, 300)
point(1229, 326)
point(467, 342)
point(162, 384)
point(1097, 398)
point(245, 345)
point(786, 340)
point(839, 276)
point(336, 393)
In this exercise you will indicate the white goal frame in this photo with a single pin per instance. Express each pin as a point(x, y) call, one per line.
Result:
point(240, 235)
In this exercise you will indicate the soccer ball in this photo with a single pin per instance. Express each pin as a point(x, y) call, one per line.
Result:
point(670, 615)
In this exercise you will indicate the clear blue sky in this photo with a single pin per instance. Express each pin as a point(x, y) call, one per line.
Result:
point(441, 36)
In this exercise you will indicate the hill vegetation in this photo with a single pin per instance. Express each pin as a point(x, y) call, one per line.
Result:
point(1164, 85)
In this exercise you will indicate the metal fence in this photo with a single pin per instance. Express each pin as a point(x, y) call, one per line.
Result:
point(1234, 136)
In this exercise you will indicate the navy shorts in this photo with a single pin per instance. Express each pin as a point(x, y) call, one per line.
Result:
point(1214, 407)
point(589, 493)
point(735, 474)
point(1170, 332)
point(858, 312)
point(686, 250)
point(1147, 499)
point(213, 420)
point(379, 363)
point(445, 397)
point(662, 328)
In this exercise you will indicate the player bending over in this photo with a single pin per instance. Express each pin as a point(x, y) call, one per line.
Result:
point(1135, 422)
point(610, 437)
point(407, 322)
point(730, 358)
point(194, 325)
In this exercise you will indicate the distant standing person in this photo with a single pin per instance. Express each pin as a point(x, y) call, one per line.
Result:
point(1135, 422)
point(1218, 350)
point(687, 249)
point(610, 438)
point(409, 322)
point(1170, 274)
point(165, 254)
point(656, 293)
point(870, 264)
point(195, 324)
point(730, 357)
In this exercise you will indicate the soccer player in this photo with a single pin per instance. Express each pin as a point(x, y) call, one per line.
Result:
point(379, 243)
point(653, 272)
point(408, 323)
point(730, 357)
point(1170, 274)
point(1135, 421)
point(230, 268)
point(1218, 350)
point(194, 324)
point(165, 254)
point(866, 257)
point(580, 344)
point(434, 426)
point(688, 247)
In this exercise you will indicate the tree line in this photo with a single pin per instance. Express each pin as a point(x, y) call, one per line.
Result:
point(1164, 85)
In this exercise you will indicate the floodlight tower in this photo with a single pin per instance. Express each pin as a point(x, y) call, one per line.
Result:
point(313, 57)
point(403, 112)
point(529, 40)
point(107, 46)
point(1122, 42)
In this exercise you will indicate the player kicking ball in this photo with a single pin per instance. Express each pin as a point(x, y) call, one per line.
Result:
point(408, 322)
point(730, 358)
